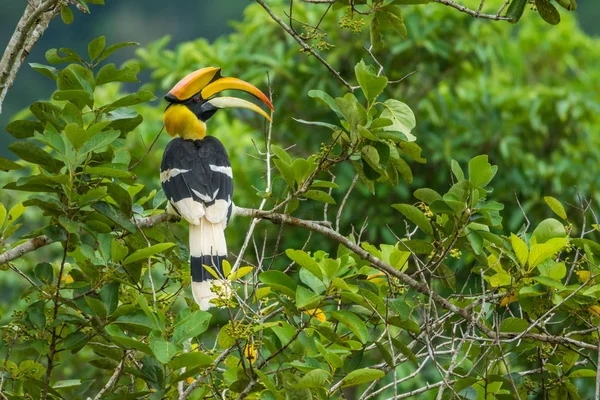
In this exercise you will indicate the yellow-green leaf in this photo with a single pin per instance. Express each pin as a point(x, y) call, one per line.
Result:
point(147, 252)
point(556, 206)
point(520, 249)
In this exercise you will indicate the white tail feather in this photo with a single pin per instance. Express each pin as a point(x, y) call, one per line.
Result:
point(207, 239)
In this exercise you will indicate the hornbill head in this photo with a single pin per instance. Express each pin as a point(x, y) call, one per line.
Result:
point(192, 101)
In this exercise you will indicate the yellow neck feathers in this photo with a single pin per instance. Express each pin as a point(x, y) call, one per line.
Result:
point(180, 121)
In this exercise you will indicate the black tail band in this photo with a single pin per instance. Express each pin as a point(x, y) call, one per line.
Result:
point(199, 273)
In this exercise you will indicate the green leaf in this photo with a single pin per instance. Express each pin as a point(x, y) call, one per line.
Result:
point(142, 96)
point(390, 18)
point(556, 206)
point(354, 323)
point(75, 340)
point(97, 306)
point(541, 252)
point(306, 299)
point(371, 155)
point(14, 213)
point(583, 373)
point(66, 14)
point(7, 165)
point(110, 73)
point(500, 279)
point(115, 215)
point(281, 154)
point(548, 12)
point(324, 184)
point(325, 98)
point(569, 359)
point(286, 171)
point(98, 141)
point(35, 314)
point(190, 360)
point(30, 152)
point(78, 97)
point(348, 106)
point(279, 281)
point(305, 261)
point(2, 215)
point(407, 324)
point(569, 5)
point(110, 296)
point(416, 216)
point(45, 70)
point(147, 252)
point(118, 251)
point(548, 229)
point(515, 10)
point(313, 379)
point(512, 324)
point(371, 84)
point(520, 249)
point(402, 117)
point(319, 196)
point(130, 343)
point(549, 282)
point(191, 326)
point(44, 272)
point(110, 171)
point(557, 270)
point(481, 172)
point(23, 129)
point(120, 196)
point(76, 77)
point(301, 168)
point(457, 170)
point(53, 56)
point(162, 349)
point(95, 47)
point(112, 48)
point(427, 195)
point(360, 376)
point(224, 338)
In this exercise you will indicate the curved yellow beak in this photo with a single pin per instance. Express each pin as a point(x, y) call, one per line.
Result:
point(208, 82)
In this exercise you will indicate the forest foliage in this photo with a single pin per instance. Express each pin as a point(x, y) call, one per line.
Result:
point(407, 245)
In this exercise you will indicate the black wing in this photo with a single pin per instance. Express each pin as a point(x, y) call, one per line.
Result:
point(197, 179)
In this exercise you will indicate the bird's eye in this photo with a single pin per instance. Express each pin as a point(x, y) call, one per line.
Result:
point(196, 99)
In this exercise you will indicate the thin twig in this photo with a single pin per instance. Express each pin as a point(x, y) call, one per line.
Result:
point(476, 14)
point(305, 46)
point(114, 378)
point(132, 166)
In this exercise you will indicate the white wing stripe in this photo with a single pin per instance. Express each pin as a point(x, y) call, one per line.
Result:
point(224, 170)
point(170, 173)
point(204, 197)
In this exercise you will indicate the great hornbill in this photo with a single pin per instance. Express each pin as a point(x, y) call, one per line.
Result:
point(196, 174)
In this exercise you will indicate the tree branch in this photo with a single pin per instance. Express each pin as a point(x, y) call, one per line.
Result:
point(43, 240)
point(29, 29)
point(476, 14)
